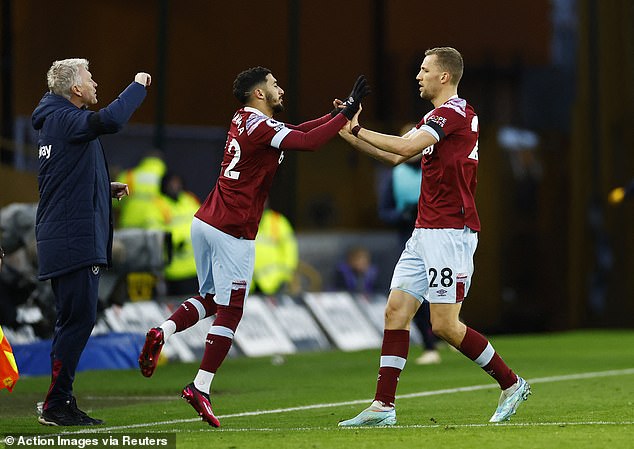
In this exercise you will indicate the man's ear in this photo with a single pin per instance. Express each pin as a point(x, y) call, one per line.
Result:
point(76, 90)
point(258, 93)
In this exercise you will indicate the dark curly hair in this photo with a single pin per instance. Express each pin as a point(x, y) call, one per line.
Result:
point(247, 80)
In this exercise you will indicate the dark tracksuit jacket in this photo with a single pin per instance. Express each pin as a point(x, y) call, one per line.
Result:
point(74, 216)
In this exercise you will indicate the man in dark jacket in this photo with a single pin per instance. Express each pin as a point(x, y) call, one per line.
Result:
point(74, 217)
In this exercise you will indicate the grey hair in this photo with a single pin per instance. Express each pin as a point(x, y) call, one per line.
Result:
point(64, 74)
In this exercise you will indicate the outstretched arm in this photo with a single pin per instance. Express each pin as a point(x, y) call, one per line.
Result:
point(406, 148)
point(83, 125)
point(315, 138)
point(112, 118)
point(311, 124)
point(370, 150)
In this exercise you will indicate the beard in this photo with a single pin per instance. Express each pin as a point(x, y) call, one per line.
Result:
point(277, 108)
point(426, 95)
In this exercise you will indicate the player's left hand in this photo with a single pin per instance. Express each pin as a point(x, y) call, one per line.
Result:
point(118, 190)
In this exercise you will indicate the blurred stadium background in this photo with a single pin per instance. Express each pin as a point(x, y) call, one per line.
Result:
point(551, 81)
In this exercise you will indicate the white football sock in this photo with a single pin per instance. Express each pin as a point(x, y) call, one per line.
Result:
point(203, 380)
point(169, 327)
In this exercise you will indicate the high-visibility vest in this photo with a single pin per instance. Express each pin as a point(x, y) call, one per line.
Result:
point(144, 183)
point(8, 368)
point(178, 217)
point(276, 254)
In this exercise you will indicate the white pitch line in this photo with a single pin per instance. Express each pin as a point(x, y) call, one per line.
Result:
point(537, 380)
point(590, 375)
point(435, 392)
point(432, 426)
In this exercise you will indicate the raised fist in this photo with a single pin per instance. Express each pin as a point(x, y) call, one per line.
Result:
point(143, 78)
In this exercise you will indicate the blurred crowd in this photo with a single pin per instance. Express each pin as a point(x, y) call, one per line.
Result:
point(153, 254)
point(152, 250)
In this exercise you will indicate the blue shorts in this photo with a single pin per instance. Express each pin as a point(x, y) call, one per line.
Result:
point(436, 265)
point(223, 262)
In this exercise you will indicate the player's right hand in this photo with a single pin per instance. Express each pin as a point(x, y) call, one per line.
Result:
point(143, 78)
point(360, 90)
point(338, 106)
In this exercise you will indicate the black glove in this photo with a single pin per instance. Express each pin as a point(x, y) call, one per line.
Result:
point(359, 91)
point(337, 110)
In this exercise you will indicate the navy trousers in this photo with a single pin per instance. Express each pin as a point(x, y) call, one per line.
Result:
point(76, 296)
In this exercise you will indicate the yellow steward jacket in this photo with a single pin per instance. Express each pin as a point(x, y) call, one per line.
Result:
point(276, 254)
point(144, 183)
point(177, 219)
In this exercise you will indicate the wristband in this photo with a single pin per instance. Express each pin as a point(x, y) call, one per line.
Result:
point(355, 130)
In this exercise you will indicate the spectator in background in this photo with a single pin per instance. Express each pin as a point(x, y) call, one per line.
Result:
point(74, 215)
point(144, 183)
point(18, 283)
point(399, 189)
point(276, 255)
point(145, 209)
point(178, 207)
point(356, 274)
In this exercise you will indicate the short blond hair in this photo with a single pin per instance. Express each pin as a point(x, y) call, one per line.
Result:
point(449, 60)
point(64, 74)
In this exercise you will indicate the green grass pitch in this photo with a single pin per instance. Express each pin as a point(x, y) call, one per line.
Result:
point(582, 382)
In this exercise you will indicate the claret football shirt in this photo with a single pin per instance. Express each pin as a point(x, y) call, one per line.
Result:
point(447, 198)
point(252, 154)
point(250, 161)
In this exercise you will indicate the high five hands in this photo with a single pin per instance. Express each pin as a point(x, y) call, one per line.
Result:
point(352, 104)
